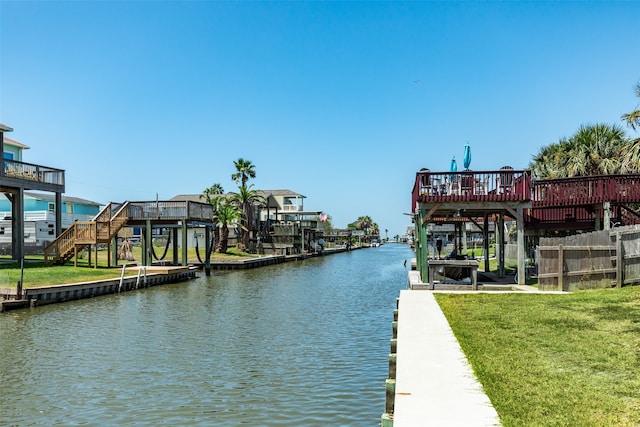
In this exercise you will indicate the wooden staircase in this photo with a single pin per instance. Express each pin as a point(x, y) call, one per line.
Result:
point(83, 234)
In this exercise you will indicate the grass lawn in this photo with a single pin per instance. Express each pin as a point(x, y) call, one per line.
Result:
point(37, 274)
point(554, 360)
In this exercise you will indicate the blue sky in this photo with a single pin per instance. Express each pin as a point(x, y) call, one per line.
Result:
point(340, 101)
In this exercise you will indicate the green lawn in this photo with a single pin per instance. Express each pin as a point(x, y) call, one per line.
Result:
point(37, 274)
point(554, 360)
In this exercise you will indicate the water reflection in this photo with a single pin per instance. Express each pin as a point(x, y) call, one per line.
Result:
point(302, 343)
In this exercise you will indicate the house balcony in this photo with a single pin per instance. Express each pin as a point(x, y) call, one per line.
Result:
point(28, 176)
point(291, 208)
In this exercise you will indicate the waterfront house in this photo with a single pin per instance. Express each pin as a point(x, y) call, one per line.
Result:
point(40, 219)
point(282, 224)
point(16, 177)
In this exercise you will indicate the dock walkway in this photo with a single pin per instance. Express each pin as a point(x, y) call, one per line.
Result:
point(435, 384)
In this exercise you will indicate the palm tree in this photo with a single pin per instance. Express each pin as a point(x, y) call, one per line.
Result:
point(214, 196)
point(633, 118)
point(592, 150)
point(364, 223)
point(228, 214)
point(244, 170)
point(245, 199)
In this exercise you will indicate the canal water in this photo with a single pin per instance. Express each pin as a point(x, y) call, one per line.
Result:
point(298, 344)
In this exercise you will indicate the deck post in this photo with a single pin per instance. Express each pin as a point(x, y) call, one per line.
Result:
point(17, 232)
point(606, 207)
point(207, 249)
point(522, 279)
point(500, 244)
point(175, 245)
point(485, 241)
point(114, 251)
point(423, 248)
point(148, 232)
point(58, 209)
point(185, 254)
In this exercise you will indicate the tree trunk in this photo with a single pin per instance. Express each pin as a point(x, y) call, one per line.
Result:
point(224, 239)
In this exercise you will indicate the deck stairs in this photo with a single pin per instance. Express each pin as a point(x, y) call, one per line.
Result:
point(83, 234)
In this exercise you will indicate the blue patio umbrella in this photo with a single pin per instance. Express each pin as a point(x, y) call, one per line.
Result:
point(453, 168)
point(467, 155)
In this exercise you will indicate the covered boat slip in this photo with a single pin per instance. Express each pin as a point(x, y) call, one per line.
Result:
point(479, 197)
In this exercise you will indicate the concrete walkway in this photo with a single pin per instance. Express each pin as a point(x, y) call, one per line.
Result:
point(435, 385)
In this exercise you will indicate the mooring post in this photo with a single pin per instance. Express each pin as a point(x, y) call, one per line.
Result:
point(21, 281)
point(207, 250)
point(124, 267)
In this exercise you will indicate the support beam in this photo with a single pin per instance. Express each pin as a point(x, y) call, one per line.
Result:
point(606, 207)
point(521, 249)
point(423, 248)
point(185, 253)
point(207, 250)
point(58, 213)
point(148, 243)
point(500, 244)
point(485, 242)
point(174, 243)
point(17, 220)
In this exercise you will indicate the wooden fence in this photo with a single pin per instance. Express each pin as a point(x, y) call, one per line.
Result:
point(601, 259)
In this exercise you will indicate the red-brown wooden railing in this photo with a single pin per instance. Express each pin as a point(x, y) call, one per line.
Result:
point(497, 185)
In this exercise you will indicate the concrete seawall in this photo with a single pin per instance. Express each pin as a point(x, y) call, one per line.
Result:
point(144, 277)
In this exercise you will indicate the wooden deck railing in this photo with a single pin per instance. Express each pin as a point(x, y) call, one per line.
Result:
point(498, 185)
point(31, 172)
point(514, 185)
point(586, 190)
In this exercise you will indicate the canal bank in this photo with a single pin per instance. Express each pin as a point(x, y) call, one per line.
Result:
point(143, 276)
point(430, 379)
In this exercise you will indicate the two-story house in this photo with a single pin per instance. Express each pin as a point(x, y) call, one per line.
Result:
point(16, 177)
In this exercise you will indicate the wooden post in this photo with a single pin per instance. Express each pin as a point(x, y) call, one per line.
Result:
point(207, 249)
point(149, 243)
point(560, 267)
point(485, 238)
point(606, 207)
point(619, 260)
point(185, 255)
point(424, 248)
point(522, 278)
point(500, 244)
point(175, 246)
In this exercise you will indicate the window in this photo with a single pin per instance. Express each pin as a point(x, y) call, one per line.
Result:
point(52, 207)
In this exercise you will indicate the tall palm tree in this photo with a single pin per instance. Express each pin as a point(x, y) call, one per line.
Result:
point(633, 118)
point(228, 215)
point(214, 196)
point(245, 199)
point(244, 170)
